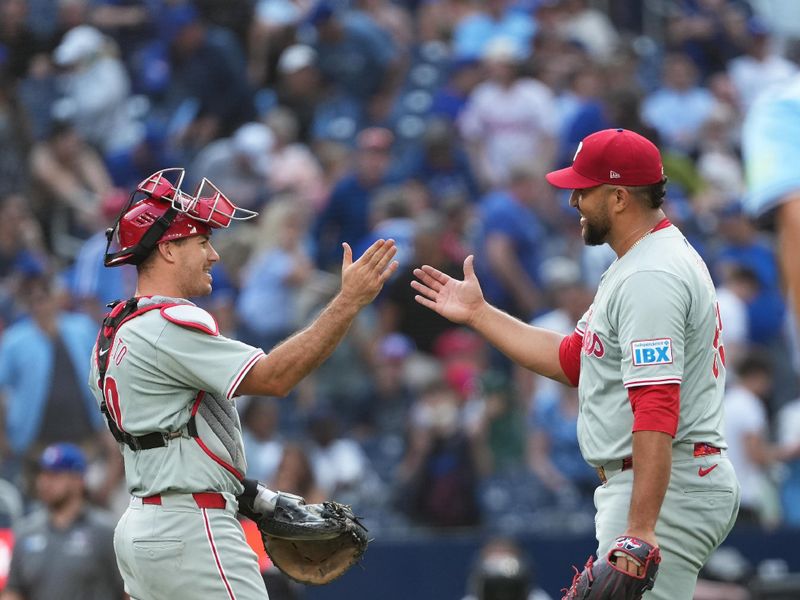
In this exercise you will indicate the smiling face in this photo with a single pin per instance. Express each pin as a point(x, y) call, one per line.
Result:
point(194, 257)
point(592, 205)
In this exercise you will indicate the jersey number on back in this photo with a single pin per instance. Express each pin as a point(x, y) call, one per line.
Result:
point(112, 400)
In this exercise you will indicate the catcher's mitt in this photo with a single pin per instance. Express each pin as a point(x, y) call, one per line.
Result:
point(603, 580)
point(312, 543)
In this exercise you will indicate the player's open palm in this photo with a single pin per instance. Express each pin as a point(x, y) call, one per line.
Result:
point(456, 300)
point(364, 278)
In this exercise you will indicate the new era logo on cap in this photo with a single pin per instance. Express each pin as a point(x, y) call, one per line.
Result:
point(613, 156)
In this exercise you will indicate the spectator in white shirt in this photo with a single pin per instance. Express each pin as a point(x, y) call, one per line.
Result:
point(508, 118)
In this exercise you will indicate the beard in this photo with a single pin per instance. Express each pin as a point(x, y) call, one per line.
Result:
point(596, 230)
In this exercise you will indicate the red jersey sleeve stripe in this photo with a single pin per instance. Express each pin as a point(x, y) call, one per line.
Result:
point(569, 355)
point(656, 407)
point(245, 370)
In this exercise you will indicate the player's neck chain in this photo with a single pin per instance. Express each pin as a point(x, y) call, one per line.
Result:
point(639, 241)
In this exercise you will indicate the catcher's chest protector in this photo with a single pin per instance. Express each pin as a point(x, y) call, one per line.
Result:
point(213, 422)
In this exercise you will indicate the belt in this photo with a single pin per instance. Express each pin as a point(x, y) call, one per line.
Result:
point(201, 499)
point(700, 449)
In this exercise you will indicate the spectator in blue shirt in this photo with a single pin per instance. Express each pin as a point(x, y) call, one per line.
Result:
point(508, 252)
point(354, 54)
point(346, 216)
point(679, 108)
point(496, 19)
point(443, 166)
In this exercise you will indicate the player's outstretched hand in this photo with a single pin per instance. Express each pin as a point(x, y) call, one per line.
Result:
point(456, 300)
point(364, 278)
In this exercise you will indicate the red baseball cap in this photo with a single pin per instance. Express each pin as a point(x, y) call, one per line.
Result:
point(613, 156)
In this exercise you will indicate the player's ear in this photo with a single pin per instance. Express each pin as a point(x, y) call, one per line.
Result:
point(166, 250)
point(621, 199)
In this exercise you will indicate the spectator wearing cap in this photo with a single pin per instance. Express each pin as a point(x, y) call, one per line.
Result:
point(96, 90)
point(509, 118)
point(345, 218)
point(271, 30)
point(323, 110)
point(299, 85)
point(64, 550)
point(238, 164)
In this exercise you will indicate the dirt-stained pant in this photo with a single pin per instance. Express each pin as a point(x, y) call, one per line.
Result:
point(698, 512)
point(177, 551)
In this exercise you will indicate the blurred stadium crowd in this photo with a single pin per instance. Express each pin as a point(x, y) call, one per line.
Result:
point(428, 121)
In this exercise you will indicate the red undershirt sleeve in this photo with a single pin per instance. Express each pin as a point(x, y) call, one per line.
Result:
point(569, 355)
point(656, 407)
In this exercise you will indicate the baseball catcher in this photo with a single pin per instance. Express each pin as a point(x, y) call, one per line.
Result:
point(311, 543)
point(604, 580)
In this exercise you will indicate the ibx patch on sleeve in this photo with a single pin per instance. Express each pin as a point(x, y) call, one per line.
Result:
point(648, 353)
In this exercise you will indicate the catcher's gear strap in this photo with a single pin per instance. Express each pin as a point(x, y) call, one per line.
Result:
point(138, 253)
point(122, 312)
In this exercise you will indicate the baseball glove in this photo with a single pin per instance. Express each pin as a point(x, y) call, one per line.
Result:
point(603, 580)
point(312, 543)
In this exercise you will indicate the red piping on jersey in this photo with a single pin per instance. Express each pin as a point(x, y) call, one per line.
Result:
point(214, 552)
point(656, 407)
point(662, 224)
point(238, 379)
point(205, 448)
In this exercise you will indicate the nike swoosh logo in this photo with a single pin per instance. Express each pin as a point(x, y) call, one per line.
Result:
point(703, 472)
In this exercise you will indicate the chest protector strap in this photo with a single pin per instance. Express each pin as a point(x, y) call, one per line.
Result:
point(120, 313)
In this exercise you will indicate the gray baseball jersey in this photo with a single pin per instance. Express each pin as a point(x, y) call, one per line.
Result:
point(654, 320)
point(165, 365)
